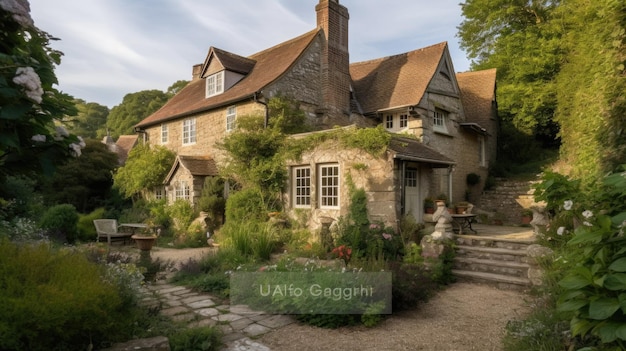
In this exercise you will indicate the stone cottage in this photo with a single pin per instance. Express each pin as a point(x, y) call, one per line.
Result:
point(445, 123)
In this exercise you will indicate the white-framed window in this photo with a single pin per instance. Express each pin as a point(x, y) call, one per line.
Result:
point(410, 177)
point(215, 84)
point(404, 121)
point(389, 121)
point(328, 176)
point(182, 190)
point(189, 131)
point(164, 134)
point(440, 118)
point(159, 193)
point(482, 160)
point(231, 117)
point(302, 187)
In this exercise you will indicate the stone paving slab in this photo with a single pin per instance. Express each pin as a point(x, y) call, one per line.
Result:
point(238, 323)
point(201, 304)
point(246, 344)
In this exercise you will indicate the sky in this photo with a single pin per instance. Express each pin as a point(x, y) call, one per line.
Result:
point(115, 47)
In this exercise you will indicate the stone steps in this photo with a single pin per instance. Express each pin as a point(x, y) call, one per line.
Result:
point(509, 268)
point(491, 253)
point(500, 281)
point(501, 262)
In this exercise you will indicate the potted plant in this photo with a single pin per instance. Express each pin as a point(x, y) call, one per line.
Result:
point(429, 205)
point(461, 207)
point(527, 216)
point(145, 239)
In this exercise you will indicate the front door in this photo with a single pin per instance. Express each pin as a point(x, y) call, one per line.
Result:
point(412, 203)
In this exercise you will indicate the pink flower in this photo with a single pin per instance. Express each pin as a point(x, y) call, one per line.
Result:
point(373, 226)
point(387, 236)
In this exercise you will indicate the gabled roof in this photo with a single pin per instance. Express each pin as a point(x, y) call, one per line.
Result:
point(413, 150)
point(228, 61)
point(196, 165)
point(399, 80)
point(270, 65)
point(478, 91)
point(123, 146)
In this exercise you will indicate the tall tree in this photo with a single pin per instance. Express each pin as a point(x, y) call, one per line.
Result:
point(29, 103)
point(520, 38)
point(134, 108)
point(137, 106)
point(90, 122)
point(84, 181)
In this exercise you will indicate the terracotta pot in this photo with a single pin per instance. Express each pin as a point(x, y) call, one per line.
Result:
point(144, 243)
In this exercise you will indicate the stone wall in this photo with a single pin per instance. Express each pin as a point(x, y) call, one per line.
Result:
point(507, 198)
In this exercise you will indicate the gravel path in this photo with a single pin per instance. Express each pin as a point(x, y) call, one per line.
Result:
point(462, 317)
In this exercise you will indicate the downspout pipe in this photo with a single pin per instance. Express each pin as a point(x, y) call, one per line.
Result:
point(255, 97)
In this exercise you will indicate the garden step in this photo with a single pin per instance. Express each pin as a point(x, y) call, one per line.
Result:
point(498, 280)
point(511, 268)
point(491, 253)
point(481, 241)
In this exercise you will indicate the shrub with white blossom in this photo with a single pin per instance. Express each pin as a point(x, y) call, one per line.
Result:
point(31, 105)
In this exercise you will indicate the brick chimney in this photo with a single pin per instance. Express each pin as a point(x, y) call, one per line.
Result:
point(333, 19)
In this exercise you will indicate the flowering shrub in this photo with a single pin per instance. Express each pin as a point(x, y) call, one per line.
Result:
point(128, 279)
point(30, 103)
point(587, 226)
point(342, 252)
point(22, 229)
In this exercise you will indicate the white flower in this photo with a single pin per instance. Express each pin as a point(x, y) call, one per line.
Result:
point(567, 205)
point(61, 131)
point(29, 79)
point(560, 231)
point(587, 214)
point(587, 224)
point(82, 144)
point(75, 149)
point(39, 138)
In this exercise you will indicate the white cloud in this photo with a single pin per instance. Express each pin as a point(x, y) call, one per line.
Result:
point(116, 47)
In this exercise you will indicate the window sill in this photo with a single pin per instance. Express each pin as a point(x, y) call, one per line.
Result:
point(443, 133)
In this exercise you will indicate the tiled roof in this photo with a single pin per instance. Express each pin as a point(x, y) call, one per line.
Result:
point(123, 146)
point(413, 150)
point(199, 165)
point(196, 165)
point(270, 65)
point(230, 61)
point(477, 94)
point(399, 80)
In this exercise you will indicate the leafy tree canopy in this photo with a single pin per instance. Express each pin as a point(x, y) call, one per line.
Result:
point(134, 108)
point(146, 167)
point(84, 181)
point(90, 122)
point(522, 39)
point(137, 106)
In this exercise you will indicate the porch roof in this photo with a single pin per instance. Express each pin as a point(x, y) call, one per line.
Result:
point(409, 149)
point(196, 165)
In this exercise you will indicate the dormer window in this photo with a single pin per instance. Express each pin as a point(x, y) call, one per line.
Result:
point(215, 84)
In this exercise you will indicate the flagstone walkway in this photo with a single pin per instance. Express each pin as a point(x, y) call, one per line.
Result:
point(238, 323)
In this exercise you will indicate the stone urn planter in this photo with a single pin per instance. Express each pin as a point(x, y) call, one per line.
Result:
point(144, 242)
